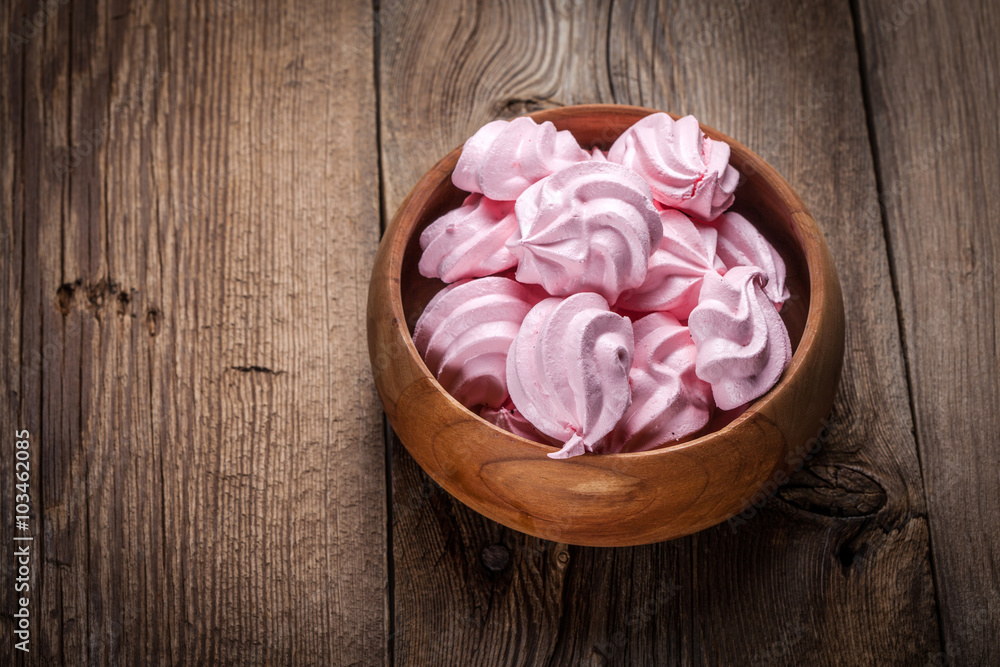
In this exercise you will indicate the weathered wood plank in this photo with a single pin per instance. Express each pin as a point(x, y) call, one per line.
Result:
point(38, 71)
point(16, 414)
point(274, 196)
point(940, 199)
point(196, 199)
point(837, 567)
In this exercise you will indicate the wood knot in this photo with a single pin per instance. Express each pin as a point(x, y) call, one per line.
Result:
point(153, 317)
point(495, 557)
point(65, 294)
point(835, 491)
point(124, 299)
point(520, 106)
point(848, 554)
point(97, 292)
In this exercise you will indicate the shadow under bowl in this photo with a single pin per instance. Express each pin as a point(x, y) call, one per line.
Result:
point(611, 499)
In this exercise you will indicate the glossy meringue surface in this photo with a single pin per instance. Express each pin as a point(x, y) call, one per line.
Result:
point(503, 158)
point(590, 227)
point(669, 400)
point(685, 169)
point(465, 332)
point(743, 346)
point(469, 241)
point(567, 370)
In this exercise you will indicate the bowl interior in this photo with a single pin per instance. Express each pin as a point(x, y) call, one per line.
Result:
point(756, 199)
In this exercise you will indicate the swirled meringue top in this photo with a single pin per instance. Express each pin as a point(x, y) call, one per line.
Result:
point(684, 168)
point(677, 267)
point(743, 345)
point(465, 332)
point(503, 158)
point(590, 227)
point(669, 400)
point(567, 370)
point(741, 244)
point(468, 242)
point(510, 419)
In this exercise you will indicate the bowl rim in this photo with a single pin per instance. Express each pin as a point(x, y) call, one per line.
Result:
point(801, 221)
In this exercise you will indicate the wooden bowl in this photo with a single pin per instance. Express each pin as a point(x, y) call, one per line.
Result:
point(610, 499)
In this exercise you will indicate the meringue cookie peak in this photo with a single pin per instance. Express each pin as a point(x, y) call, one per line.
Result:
point(567, 370)
point(590, 227)
point(468, 242)
point(677, 267)
point(503, 158)
point(598, 155)
point(743, 345)
point(669, 400)
point(474, 151)
point(465, 332)
point(741, 244)
point(685, 169)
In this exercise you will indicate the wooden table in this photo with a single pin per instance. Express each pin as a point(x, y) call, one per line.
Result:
point(190, 199)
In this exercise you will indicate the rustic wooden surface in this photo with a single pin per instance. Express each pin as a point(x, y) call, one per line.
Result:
point(190, 220)
point(940, 187)
point(190, 204)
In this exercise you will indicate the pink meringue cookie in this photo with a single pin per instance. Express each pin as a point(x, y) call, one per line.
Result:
point(669, 400)
point(676, 269)
point(466, 173)
point(468, 242)
point(743, 345)
point(684, 168)
point(465, 332)
point(567, 370)
point(510, 419)
point(741, 244)
point(590, 227)
point(503, 158)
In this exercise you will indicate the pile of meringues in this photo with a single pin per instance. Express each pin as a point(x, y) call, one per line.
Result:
point(601, 302)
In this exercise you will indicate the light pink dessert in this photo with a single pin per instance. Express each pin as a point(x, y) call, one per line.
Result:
point(669, 400)
point(538, 351)
point(677, 268)
point(510, 419)
point(743, 346)
point(567, 370)
point(465, 332)
point(685, 169)
point(590, 227)
point(740, 244)
point(503, 158)
point(468, 242)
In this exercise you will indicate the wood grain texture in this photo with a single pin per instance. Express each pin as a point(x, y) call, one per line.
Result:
point(190, 216)
point(837, 566)
point(11, 302)
point(940, 199)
